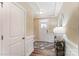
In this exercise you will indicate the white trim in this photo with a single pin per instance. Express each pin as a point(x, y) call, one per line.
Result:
point(29, 45)
point(71, 48)
point(66, 39)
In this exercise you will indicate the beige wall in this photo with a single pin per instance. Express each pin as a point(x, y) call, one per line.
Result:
point(70, 21)
point(29, 22)
point(36, 29)
point(73, 27)
point(52, 23)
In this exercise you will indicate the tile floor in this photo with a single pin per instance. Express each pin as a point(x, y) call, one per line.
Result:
point(42, 48)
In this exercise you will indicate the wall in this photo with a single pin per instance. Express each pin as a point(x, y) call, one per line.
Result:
point(73, 26)
point(70, 22)
point(36, 29)
point(70, 12)
point(29, 22)
point(52, 23)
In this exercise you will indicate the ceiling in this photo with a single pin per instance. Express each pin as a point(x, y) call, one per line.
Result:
point(46, 9)
point(43, 9)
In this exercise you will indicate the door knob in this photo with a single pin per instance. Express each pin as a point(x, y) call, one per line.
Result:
point(1, 37)
point(23, 37)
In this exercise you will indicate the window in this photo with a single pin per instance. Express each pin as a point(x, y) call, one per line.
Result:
point(43, 23)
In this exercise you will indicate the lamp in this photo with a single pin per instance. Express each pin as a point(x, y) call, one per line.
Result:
point(59, 30)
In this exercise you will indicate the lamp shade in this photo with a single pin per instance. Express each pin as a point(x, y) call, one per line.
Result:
point(59, 30)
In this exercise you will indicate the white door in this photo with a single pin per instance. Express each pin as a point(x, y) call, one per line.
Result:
point(43, 32)
point(13, 30)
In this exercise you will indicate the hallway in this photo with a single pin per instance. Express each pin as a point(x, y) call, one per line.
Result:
point(39, 28)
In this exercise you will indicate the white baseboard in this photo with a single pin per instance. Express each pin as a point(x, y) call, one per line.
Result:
point(71, 48)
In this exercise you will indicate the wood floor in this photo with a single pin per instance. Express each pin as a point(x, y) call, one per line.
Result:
point(42, 48)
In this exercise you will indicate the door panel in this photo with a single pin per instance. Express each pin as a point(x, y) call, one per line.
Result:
point(16, 22)
point(16, 27)
point(17, 49)
point(13, 30)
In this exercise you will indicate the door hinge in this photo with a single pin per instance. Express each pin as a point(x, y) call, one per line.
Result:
point(1, 37)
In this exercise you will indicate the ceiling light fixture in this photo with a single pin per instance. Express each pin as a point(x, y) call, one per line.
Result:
point(41, 12)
